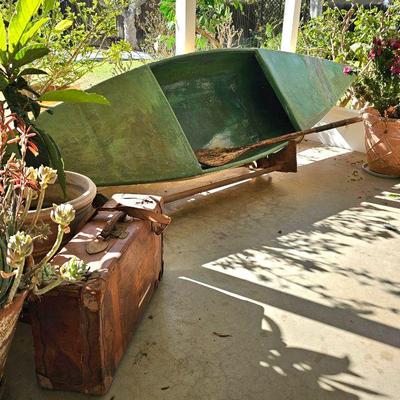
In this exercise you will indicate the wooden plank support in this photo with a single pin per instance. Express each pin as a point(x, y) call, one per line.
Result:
point(283, 161)
point(253, 173)
point(286, 158)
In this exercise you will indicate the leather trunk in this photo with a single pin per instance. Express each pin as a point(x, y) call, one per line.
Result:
point(81, 331)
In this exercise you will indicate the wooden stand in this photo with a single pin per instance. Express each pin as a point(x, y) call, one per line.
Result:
point(283, 161)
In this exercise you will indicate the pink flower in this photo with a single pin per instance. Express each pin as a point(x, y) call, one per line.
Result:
point(372, 54)
point(377, 41)
point(395, 68)
point(394, 44)
point(347, 70)
point(375, 52)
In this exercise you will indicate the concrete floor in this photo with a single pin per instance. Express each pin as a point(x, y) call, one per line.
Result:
point(274, 289)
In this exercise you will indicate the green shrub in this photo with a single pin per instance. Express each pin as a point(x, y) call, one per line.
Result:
point(75, 32)
point(379, 82)
point(345, 36)
point(21, 45)
point(214, 25)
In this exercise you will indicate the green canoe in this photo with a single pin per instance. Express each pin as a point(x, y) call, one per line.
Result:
point(161, 112)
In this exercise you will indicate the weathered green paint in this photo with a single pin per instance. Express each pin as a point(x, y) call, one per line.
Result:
point(163, 111)
point(222, 99)
point(307, 87)
point(136, 139)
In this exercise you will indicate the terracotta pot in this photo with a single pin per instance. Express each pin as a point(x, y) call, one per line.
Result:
point(8, 321)
point(81, 191)
point(382, 143)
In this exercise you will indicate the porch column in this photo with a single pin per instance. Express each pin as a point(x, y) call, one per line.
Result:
point(185, 26)
point(291, 22)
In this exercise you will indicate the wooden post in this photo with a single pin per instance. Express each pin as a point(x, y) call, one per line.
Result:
point(315, 8)
point(291, 21)
point(185, 26)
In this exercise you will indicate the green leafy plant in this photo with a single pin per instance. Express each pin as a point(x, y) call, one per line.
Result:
point(20, 46)
point(158, 25)
point(345, 36)
point(271, 37)
point(80, 35)
point(378, 84)
point(19, 185)
point(214, 24)
point(120, 57)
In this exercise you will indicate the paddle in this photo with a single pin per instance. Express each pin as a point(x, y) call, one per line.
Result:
point(218, 156)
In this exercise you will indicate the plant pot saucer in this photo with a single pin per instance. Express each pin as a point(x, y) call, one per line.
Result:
point(366, 169)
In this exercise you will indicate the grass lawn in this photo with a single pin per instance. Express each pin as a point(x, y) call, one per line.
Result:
point(101, 73)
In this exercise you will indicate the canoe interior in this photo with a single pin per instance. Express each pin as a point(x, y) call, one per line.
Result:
point(162, 112)
point(223, 101)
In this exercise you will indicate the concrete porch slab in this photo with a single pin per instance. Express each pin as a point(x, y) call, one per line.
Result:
point(275, 289)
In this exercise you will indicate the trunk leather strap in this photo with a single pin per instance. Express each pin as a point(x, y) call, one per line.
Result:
point(159, 221)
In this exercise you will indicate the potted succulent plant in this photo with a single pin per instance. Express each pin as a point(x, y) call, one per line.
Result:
point(20, 274)
point(378, 84)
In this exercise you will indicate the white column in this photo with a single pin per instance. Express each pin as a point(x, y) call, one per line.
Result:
point(315, 8)
point(185, 26)
point(291, 22)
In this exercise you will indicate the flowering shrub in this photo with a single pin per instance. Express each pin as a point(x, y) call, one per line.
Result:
point(19, 185)
point(379, 82)
point(345, 36)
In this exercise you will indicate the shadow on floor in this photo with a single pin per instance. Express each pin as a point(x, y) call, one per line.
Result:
point(330, 218)
point(290, 372)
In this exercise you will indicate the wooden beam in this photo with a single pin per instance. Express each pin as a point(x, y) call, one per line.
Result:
point(283, 161)
point(287, 158)
point(291, 22)
point(185, 26)
point(219, 183)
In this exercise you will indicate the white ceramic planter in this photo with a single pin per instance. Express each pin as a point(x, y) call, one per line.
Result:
point(350, 137)
point(81, 191)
